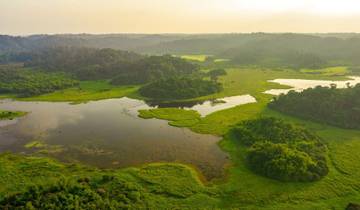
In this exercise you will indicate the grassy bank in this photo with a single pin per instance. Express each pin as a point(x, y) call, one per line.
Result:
point(87, 91)
point(154, 186)
point(9, 115)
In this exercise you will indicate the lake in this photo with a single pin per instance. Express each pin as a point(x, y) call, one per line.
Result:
point(107, 134)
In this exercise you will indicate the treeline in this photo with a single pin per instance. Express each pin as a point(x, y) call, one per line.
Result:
point(179, 88)
point(274, 50)
point(297, 51)
point(25, 82)
point(124, 68)
point(338, 107)
point(155, 68)
point(282, 151)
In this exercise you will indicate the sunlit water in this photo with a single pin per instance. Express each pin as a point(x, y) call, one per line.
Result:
point(302, 84)
point(109, 133)
point(209, 107)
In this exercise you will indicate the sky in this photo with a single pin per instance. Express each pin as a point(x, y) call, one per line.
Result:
point(24, 17)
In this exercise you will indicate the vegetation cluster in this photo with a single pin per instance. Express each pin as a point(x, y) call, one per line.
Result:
point(25, 82)
point(282, 151)
point(337, 107)
point(179, 88)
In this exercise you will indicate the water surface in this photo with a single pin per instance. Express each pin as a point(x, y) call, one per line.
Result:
point(107, 133)
point(302, 84)
point(209, 107)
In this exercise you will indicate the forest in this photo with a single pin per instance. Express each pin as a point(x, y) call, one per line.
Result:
point(179, 88)
point(281, 150)
point(337, 107)
point(271, 50)
point(26, 82)
point(96, 64)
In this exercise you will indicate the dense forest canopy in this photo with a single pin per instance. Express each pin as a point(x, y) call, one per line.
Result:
point(83, 63)
point(153, 68)
point(179, 88)
point(338, 107)
point(282, 151)
point(26, 82)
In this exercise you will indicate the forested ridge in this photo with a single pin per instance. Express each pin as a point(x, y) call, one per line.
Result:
point(265, 49)
point(338, 107)
point(122, 67)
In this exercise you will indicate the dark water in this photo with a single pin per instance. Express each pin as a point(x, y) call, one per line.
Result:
point(107, 133)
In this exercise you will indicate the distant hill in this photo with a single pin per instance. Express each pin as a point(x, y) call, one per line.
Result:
point(290, 50)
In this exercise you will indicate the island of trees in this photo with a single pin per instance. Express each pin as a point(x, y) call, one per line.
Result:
point(338, 107)
point(179, 88)
point(281, 150)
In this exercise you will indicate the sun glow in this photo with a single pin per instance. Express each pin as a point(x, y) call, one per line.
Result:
point(178, 16)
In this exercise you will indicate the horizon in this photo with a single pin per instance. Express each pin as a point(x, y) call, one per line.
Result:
point(176, 34)
point(178, 17)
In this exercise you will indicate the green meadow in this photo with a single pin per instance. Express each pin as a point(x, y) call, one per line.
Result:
point(176, 186)
point(198, 58)
point(243, 189)
point(87, 91)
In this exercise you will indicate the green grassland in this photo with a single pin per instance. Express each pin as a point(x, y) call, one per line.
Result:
point(221, 60)
point(331, 71)
point(198, 58)
point(241, 81)
point(174, 186)
point(87, 91)
point(177, 117)
point(245, 190)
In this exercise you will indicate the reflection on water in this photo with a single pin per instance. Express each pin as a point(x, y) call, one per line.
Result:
point(302, 84)
point(108, 133)
point(209, 107)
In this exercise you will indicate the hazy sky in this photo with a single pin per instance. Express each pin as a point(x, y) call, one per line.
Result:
point(178, 16)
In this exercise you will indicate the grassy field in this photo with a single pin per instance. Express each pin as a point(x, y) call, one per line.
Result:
point(199, 58)
point(241, 81)
point(245, 190)
point(331, 71)
point(174, 186)
point(87, 91)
